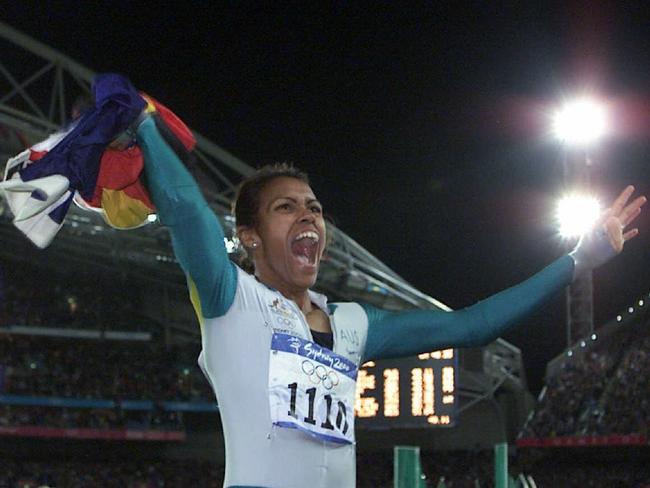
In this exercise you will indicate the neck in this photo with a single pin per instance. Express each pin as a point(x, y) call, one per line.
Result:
point(299, 295)
point(301, 299)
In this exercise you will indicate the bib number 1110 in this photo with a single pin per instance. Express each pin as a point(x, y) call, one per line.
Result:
point(341, 416)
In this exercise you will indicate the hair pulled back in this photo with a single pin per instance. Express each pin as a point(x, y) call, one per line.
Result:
point(246, 204)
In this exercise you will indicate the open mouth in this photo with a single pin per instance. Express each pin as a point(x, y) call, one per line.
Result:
point(305, 247)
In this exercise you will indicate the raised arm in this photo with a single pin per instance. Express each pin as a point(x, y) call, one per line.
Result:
point(197, 236)
point(396, 334)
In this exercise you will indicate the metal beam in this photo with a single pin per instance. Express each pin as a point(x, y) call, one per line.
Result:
point(38, 48)
point(349, 262)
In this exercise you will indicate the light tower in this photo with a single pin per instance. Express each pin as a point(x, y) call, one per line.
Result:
point(578, 125)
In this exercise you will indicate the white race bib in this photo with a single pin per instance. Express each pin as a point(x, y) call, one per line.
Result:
point(311, 388)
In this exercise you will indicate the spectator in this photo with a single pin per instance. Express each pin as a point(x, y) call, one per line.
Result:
point(604, 392)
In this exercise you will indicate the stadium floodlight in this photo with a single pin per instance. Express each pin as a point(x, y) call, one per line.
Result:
point(577, 214)
point(580, 122)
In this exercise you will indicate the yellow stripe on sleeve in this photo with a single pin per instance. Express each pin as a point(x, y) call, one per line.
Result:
point(196, 300)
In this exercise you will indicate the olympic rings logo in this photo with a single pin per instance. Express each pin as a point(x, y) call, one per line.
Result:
point(319, 373)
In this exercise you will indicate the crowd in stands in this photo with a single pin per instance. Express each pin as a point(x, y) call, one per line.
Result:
point(626, 402)
point(602, 392)
point(74, 368)
point(567, 395)
point(475, 469)
point(33, 296)
point(455, 469)
point(90, 418)
point(42, 366)
point(459, 469)
point(374, 470)
point(124, 474)
point(602, 468)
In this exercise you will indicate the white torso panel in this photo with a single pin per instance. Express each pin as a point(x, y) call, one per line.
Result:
point(235, 357)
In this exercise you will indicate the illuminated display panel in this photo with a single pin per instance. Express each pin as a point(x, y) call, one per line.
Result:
point(408, 393)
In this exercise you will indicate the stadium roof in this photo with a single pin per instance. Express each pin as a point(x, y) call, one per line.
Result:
point(37, 87)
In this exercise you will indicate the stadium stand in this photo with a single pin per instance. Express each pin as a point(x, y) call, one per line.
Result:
point(603, 392)
point(625, 405)
point(90, 418)
point(110, 474)
point(61, 367)
point(80, 389)
point(32, 296)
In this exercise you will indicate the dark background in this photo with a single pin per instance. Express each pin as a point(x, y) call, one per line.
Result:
point(424, 127)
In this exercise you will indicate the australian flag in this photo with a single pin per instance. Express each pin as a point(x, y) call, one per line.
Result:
point(94, 161)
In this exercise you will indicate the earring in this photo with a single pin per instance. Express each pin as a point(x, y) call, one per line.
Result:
point(254, 244)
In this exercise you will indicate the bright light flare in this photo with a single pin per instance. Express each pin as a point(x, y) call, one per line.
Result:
point(580, 122)
point(577, 214)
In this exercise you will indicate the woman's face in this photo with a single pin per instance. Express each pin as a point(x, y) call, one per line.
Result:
point(291, 234)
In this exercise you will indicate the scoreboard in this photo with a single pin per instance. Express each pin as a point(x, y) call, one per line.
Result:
point(408, 392)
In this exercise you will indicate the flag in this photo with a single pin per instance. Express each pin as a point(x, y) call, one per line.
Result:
point(119, 191)
point(95, 162)
point(39, 205)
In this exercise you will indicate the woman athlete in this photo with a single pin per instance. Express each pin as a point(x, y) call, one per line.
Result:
point(281, 360)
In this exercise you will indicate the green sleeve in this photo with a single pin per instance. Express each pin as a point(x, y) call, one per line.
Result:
point(398, 334)
point(197, 235)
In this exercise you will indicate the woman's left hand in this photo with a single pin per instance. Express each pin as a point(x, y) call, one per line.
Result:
point(619, 216)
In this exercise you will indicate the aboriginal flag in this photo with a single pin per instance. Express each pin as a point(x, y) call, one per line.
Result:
point(95, 162)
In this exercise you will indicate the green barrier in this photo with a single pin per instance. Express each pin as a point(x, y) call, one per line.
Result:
point(407, 470)
point(501, 465)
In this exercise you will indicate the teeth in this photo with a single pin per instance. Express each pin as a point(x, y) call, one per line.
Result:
point(307, 235)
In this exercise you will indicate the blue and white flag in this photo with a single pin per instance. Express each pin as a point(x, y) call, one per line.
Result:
point(39, 205)
point(41, 182)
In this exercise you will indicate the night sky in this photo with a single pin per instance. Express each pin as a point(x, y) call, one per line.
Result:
point(424, 129)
